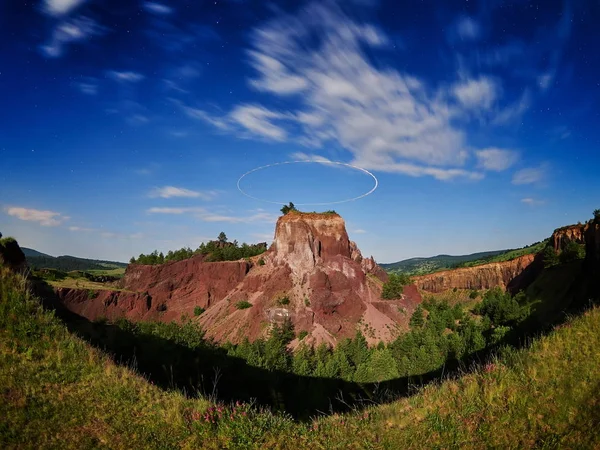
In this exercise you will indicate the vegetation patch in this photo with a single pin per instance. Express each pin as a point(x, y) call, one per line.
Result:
point(243, 304)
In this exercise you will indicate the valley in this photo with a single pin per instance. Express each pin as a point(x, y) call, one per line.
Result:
point(299, 357)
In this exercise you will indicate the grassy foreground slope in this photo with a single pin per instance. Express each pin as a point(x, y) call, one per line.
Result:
point(58, 392)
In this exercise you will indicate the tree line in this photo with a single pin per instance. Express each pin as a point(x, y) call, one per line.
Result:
point(217, 250)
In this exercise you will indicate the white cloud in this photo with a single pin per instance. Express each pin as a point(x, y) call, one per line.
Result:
point(496, 159)
point(81, 229)
point(208, 216)
point(388, 120)
point(531, 201)
point(513, 112)
point(88, 88)
point(359, 231)
point(258, 121)
point(301, 156)
point(477, 93)
point(43, 217)
point(172, 191)
point(545, 80)
point(70, 31)
point(60, 7)
point(158, 8)
point(530, 175)
point(468, 28)
point(125, 76)
point(156, 210)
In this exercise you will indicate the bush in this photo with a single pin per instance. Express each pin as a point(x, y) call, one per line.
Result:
point(198, 310)
point(306, 302)
point(550, 257)
point(474, 294)
point(501, 308)
point(243, 304)
point(572, 252)
point(261, 262)
point(92, 294)
point(284, 301)
point(302, 335)
point(395, 286)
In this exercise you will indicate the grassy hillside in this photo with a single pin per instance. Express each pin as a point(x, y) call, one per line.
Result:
point(69, 263)
point(423, 266)
point(58, 392)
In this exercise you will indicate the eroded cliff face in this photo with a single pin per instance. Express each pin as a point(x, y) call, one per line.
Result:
point(312, 275)
point(315, 276)
point(572, 233)
point(512, 275)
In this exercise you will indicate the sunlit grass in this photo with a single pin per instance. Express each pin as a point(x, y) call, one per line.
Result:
point(58, 392)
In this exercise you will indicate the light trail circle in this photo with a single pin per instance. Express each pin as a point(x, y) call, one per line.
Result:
point(376, 182)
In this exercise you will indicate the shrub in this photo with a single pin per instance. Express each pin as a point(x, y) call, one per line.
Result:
point(395, 286)
point(306, 302)
point(550, 257)
point(474, 294)
point(243, 304)
point(572, 252)
point(261, 262)
point(92, 294)
point(284, 301)
point(198, 310)
point(302, 335)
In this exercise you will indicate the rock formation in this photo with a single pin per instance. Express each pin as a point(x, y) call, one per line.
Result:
point(571, 233)
point(312, 275)
point(512, 275)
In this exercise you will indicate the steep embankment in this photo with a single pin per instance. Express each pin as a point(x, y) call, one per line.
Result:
point(312, 275)
point(513, 275)
point(507, 275)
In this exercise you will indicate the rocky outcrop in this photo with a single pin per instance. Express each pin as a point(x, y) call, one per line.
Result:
point(312, 275)
point(562, 236)
point(512, 275)
point(315, 276)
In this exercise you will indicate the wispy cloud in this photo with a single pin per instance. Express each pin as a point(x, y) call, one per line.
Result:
point(531, 201)
point(61, 7)
point(88, 88)
point(172, 191)
point(68, 32)
point(479, 93)
point(84, 229)
point(208, 216)
point(513, 112)
point(43, 217)
point(496, 159)
point(468, 28)
point(388, 120)
point(125, 76)
point(530, 175)
point(359, 231)
point(157, 8)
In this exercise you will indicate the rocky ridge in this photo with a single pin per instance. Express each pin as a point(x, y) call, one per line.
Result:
point(312, 275)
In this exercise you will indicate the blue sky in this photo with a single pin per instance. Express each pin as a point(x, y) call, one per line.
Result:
point(125, 125)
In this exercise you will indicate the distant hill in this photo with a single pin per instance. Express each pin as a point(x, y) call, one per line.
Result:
point(31, 252)
point(420, 266)
point(66, 263)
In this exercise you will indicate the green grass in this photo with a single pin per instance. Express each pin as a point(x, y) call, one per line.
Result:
point(508, 256)
point(56, 391)
point(114, 272)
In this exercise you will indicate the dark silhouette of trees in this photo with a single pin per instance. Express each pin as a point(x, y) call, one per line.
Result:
point(287, 208)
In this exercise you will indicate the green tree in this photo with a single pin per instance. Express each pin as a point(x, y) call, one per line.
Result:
point(287, 208)
point(222, 237)
point(394, 287)
point(418, 318)
point(550, 257)
point(597, 215)
point(572, 252)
